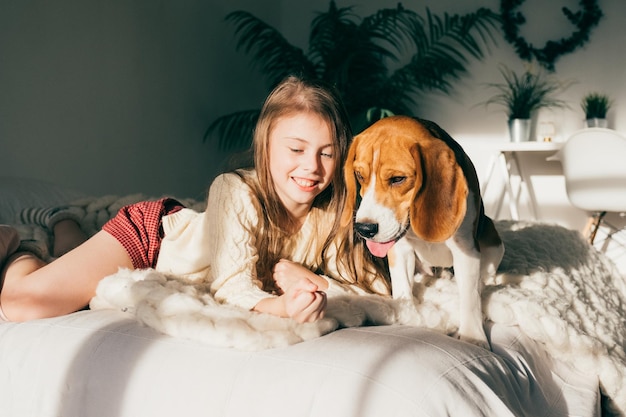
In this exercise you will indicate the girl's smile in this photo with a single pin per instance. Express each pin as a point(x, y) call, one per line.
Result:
point(305, 184)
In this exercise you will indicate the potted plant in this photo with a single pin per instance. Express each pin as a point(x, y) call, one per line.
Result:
point(379, 63)
point(596, 105)
point(522, 95)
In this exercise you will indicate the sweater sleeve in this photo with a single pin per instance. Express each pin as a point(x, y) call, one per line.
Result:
point(231, 220)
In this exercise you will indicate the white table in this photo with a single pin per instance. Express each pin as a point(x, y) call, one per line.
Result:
point(507, 160)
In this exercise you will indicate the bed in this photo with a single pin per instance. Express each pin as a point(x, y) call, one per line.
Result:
point(152, 345)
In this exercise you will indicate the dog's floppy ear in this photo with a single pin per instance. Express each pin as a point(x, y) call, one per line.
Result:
point(351, 187)
point(441, 203)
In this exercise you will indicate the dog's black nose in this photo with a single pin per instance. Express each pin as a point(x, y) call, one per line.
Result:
point(367, 230)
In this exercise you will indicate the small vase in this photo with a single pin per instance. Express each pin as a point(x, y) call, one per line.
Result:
point(519, 130)
point(596, 122)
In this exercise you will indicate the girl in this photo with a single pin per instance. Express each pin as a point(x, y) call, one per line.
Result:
point(288, 207)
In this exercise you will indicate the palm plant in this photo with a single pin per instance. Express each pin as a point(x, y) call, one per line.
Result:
point(356, 55)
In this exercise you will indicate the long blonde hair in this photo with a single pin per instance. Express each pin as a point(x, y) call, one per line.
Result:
point(297, 95)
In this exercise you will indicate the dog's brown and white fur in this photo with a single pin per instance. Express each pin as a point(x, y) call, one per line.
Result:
point(420, 196)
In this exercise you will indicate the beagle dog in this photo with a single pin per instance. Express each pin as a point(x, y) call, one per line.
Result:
point(420, 199)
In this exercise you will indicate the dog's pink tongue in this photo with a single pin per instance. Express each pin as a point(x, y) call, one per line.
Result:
point(379, 249)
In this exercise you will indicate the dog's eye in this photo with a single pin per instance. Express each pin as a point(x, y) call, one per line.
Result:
point(358, 176)
point(396, 180)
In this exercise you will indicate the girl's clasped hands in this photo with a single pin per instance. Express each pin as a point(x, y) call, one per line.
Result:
point(302, 298)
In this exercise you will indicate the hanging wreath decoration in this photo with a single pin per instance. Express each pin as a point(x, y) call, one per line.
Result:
point(584, 20)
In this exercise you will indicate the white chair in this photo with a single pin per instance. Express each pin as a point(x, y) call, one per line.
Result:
point(594, 167)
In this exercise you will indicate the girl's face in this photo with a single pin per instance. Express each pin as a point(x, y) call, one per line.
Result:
point(301, 160)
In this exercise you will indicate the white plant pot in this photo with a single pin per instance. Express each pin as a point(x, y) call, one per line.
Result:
point(519, 130)
point(595, 122)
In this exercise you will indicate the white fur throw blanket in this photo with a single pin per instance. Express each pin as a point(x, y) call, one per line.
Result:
point(558, 289)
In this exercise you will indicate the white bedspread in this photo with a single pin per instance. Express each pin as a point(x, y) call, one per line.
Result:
point(105, 364)
point(558, 290)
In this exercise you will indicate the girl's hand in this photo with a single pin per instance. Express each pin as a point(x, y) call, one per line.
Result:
point(302, 297)
point(302, 305)
point(288, 273)
point(298, 304)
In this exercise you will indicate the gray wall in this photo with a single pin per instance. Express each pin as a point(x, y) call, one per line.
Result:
point(114, 96)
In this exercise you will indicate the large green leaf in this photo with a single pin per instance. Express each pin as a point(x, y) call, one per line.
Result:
point(274, 56)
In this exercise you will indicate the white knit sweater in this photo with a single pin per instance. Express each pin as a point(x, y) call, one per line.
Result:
point(218, 246)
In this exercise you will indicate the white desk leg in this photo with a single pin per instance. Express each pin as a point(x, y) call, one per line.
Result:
point(487, 179)
point(530, 190)
point(513, 168)
point(504, 164)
